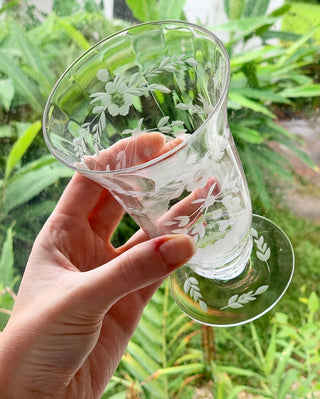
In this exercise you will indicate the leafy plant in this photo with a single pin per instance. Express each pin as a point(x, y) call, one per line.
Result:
point(263, 79)
point(33, 53)
point(150, 10)
point(7, 278)
point(291, 355)
point(160, 358)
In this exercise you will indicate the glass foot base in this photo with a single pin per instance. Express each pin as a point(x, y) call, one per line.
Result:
point(250, 295)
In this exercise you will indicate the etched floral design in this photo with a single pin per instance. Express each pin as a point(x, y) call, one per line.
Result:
point(164, 126)
point(206, 202)
point(191, 287)
point(199, 173)
point(216, 206)
point(118, 97)
point(238, 301)
point(263, 253)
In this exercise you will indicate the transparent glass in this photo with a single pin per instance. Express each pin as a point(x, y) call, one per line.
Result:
point(144, 114)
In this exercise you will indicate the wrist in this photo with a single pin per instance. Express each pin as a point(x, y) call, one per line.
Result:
point(18, 378)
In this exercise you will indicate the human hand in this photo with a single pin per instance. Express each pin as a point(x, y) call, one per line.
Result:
point(80, 298)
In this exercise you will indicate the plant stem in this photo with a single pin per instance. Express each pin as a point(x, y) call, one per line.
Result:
point(164, 335)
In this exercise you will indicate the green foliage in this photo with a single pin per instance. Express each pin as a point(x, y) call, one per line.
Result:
point(290, 355)
point(165, 358)
point(7, 278)
point(301, 17)
point(6, 260)
point(33, 54)
point(262, 80)
point(162, 354)
point(236, 9)
point(151, 10)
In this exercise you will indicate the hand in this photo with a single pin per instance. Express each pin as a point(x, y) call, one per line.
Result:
point(80, 298)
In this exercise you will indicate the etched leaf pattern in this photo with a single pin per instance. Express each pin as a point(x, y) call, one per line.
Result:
point(118, 97)
point(218, 203)
point(263, 252)
point(191, 287)
point(238, 301)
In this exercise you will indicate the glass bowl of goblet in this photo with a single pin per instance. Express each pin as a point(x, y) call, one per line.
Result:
point(144, 114)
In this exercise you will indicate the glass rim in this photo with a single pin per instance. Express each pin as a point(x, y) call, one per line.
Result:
point(168, 154)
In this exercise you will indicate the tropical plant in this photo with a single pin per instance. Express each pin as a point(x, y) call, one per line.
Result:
point(164, 354)
point(7, 278)
point(33, 53)
point(263, 79)
point(169, 354)
point(290, 362)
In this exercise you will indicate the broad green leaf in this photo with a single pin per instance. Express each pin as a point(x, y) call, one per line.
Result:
point(169, 9)
point(139, 372)
point(6, 260)
point(30, 184)
point(151, 330)
point(284, 36)
point(255, 8)
point(246, 134)
point(6, 93)
point(153, 350)
point(234, 8)
point(194, 368)
point(244, 25)
point(144, 10)
point(254, 172)
point(72, 32)
point(250, 104)
point(152, 313)
point(138, 353)
point(270, 356)
point(20, 147)
point(260, 94)
point(301, 91)
point(241, 372)
point(278, 12)
point(263, 53)
point(33, 58)
point(26, 87)
point(313, 303)
point(296, 45)
point(36, 164)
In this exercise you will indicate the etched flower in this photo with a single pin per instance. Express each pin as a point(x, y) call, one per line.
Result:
point(116, 99)
point(200, 172)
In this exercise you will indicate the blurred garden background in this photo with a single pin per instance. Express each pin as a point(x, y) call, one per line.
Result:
point(274, 114)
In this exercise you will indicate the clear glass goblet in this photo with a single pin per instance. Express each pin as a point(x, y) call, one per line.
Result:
point(144, 114)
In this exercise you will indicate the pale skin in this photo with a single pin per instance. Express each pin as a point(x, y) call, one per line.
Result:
point(81, 299)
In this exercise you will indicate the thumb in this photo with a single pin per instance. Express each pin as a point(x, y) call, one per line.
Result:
point(140, 266)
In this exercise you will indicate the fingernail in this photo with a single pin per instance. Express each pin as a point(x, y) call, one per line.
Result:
point(177, 249)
